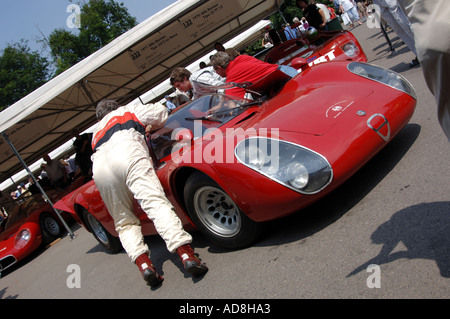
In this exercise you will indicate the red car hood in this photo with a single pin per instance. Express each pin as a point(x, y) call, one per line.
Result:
point(313, 111)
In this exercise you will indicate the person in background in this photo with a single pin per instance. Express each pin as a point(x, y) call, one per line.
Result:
point(267, 41)
point(245, 68)
point(431, 28)
point(324, 9)
point(348, 7)
point(21, 189)
point(5, 205)
point(361, 5)
point(298, 26)
point(305, 23)
point(198, 82)
point(32, 187)
point(230, 51)
point(82, 145)
point(169, 104)
point(289, 32)
point(314, 15)
point(395, 16)
point(56, 172)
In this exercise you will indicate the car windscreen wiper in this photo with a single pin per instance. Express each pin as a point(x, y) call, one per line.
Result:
point(213, 117)
point(256, 102)
point(251, 103)
point(209, 117)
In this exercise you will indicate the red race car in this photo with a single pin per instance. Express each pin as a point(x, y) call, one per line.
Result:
point(30, 224)
point(318, 47)
point(246, 162)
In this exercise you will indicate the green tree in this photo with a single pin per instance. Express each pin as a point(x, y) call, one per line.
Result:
point(101, 22)
point(289, 11)
point(66, 49)
point(21, 72)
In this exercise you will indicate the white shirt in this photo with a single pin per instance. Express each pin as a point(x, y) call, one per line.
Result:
point(346, 4)
point(203, 78)
point(325, 11)
point(55, 170)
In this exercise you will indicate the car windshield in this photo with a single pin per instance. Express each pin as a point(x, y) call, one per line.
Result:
point(17, 210)
point(206, 112)
point(305, 49)
point(25, 205)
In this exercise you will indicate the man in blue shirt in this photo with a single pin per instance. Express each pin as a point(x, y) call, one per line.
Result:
point(169, 104)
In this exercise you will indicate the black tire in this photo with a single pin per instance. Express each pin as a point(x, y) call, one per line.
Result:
point(111, 243)
point(50, 228)
point(216, 215)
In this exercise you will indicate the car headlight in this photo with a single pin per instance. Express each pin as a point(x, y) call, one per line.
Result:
point(22, 238)
point(385, 76)
point(350, 49)
point(291, 165)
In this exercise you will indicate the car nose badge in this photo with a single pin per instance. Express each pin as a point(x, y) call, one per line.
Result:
point(385, 122)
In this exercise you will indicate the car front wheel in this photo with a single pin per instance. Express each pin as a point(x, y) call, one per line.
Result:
point(216, 215)
point(50, 228)
point(108, 241)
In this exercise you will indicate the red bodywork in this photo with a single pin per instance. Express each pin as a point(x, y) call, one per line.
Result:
point(24, 214)
point(342, 116)
point(325, 47)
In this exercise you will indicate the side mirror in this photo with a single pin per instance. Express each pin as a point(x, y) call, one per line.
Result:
point(299, 63)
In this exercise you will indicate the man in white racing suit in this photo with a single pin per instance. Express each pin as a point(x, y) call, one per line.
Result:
point(123, 170)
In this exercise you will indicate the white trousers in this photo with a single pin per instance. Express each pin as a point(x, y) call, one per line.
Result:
point(123, 170)
point(353, 14)
point(346, 18)
point(393, 13)
point(431, 25)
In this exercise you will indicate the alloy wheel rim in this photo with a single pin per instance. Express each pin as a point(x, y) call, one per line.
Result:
point(97, 228)
point(52, 226)
point(217, 211)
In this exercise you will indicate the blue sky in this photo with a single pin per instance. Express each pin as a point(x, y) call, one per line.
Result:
point(20, 19)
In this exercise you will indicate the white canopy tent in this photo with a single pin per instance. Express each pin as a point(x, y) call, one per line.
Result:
point(239, 42)
point(124, 69)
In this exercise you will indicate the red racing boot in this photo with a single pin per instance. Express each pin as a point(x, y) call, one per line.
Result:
point(148, 271)
point(191, 263)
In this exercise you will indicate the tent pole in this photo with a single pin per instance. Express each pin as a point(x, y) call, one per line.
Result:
point(47, 199)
